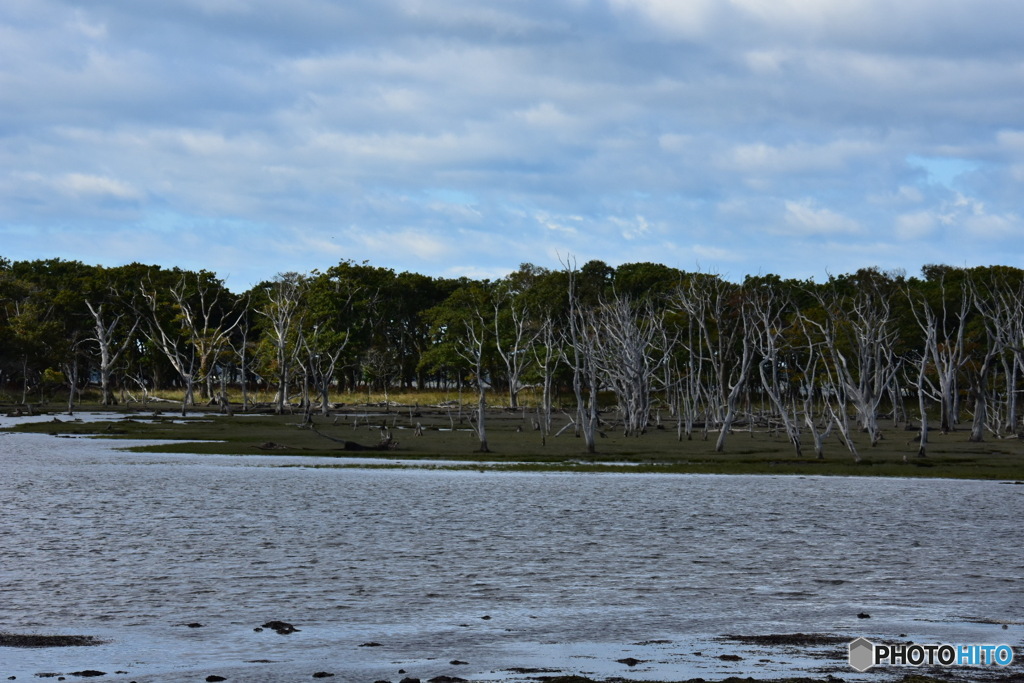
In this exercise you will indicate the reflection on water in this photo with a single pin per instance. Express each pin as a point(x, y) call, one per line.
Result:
point(501, 570)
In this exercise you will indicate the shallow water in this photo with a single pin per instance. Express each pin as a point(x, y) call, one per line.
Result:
point(574, 571)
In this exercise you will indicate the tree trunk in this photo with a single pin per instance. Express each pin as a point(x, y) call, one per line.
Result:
point(481, 422)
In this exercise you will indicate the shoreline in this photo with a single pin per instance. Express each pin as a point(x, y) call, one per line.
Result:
point(423, 433)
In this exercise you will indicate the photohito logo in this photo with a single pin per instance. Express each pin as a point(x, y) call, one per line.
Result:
point(864, 654)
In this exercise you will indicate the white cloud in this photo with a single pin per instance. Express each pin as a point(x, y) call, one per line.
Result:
point(715, 253)
point(560, 120)
point(766, 62)
point(546, 115)
point(86, 185)
point(559, 224)
point(632, 229)
point(915, 226)
point(807, 219)
point(674, 143)
point(1012, 141)
point(994, 226)
point(386, 246)
point(761, 158)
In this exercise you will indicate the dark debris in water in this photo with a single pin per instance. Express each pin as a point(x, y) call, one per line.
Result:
point(798, 639)
point(36, 640)
point(282, 627)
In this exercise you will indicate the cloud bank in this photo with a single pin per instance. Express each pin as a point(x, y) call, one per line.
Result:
point(449, 137)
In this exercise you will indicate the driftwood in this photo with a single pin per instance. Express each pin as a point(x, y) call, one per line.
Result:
point(386, 442)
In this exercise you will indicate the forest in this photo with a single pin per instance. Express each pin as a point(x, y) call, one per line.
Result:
point(608, 348)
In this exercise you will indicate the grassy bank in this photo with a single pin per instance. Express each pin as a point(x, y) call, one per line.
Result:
point(446, 432)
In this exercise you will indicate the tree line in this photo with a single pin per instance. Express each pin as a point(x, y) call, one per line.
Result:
point(606, 348)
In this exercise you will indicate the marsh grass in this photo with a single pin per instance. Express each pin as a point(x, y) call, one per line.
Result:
point(448, 435)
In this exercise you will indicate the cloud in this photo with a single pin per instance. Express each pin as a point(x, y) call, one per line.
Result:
point(915, 226)
point(807, 219)
point(994, 226)
point(628, 129)
point(715, 254)
point(559, 224)
point(690, 19)
point(761, 158)
point(402, 243)
point(85, 185)
point(637, 228)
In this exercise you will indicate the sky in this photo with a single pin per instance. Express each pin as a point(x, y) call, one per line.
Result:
point(801, 138)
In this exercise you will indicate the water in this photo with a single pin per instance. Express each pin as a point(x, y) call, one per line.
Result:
point(573, 571)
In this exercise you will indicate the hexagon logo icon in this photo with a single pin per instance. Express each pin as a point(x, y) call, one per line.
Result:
point(862, 654)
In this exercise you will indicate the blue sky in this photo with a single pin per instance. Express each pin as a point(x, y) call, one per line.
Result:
point(251, 137)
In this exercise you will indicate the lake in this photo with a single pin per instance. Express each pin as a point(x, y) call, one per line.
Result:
point(408, 570)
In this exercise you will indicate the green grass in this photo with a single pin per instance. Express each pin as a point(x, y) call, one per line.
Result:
point(516, 446)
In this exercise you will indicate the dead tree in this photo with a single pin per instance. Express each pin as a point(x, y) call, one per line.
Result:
point(283, 314)
point(723, 340)
point(689, 386)
point(860, 337)
point(514, 334)
point(208, 323)
point(626, 338)
point(770, 326)
point(944, 335)
point(925, 388)
point(110, 345)
point(473, 350)
point(808, 360)
point(997, 319)
point(1014, 359)
point(173, 344)
point(582, 356)
point(547, 353)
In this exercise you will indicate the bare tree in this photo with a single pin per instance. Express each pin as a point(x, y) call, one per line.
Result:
point(208, 321)
point(926, 390)
point(174, 345)
point(724, 342)
point(240, 346)
point(808, 358)
point(860, 338)
point(547, 353)
point(195, 333)
point(582, 356)
point(283, 314)
point(944, 335)
point(472, 347)
point(110, 345)
point(769, 307)
point(626, 337)
point(1014, 359)
point(690, 389)
point(514, 334)
point(991, 300)
point(71, 367)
